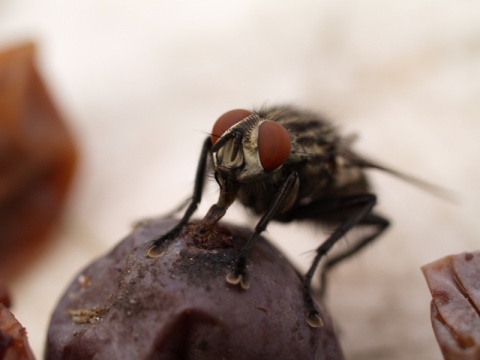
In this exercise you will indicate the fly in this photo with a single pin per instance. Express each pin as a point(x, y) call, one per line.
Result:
point(286, 164)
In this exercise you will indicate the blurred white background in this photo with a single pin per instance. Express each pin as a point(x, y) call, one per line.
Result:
point(141, 83)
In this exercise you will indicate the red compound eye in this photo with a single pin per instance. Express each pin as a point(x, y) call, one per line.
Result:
point(226, 121)
point(273, 145)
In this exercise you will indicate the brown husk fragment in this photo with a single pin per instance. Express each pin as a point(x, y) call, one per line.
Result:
point(178, 306)
point(13, 338)
point(4, 294)
point(37, 159)
point(454, 282)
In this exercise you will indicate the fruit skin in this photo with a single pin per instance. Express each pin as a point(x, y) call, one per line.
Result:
point(178, 305)
point(454, 284)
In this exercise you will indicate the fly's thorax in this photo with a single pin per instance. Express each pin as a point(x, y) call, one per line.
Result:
point(257, 196)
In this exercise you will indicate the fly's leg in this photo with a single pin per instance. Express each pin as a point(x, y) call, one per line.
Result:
point(239, 275)
point(364, 205)
point(168, 215)
point(158, 245)
point(179, 208)
point(380, 224)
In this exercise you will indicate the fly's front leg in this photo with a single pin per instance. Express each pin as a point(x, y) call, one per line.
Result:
point(157, 246)
point(364, 205)
point(239, 275)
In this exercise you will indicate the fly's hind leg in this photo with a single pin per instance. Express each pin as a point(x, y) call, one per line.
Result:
point(157, 246)
point(358, 207)
point(379, 223)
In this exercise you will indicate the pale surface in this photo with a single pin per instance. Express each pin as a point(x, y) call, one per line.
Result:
point(143, 82)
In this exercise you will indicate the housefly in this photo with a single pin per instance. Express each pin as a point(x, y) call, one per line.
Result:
point(286, 164)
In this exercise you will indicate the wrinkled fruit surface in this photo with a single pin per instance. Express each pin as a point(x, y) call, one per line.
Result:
point(455, 286)
point(13, 338)
point(126, 305)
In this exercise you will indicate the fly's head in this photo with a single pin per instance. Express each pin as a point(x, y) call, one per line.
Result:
point(246, 147)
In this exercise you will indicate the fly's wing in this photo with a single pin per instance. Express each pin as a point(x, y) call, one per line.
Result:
point(433, 189)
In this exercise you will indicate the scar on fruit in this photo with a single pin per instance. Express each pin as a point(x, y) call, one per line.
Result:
point(86, 316)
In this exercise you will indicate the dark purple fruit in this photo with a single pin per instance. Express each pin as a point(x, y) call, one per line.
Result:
point(178, 306)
